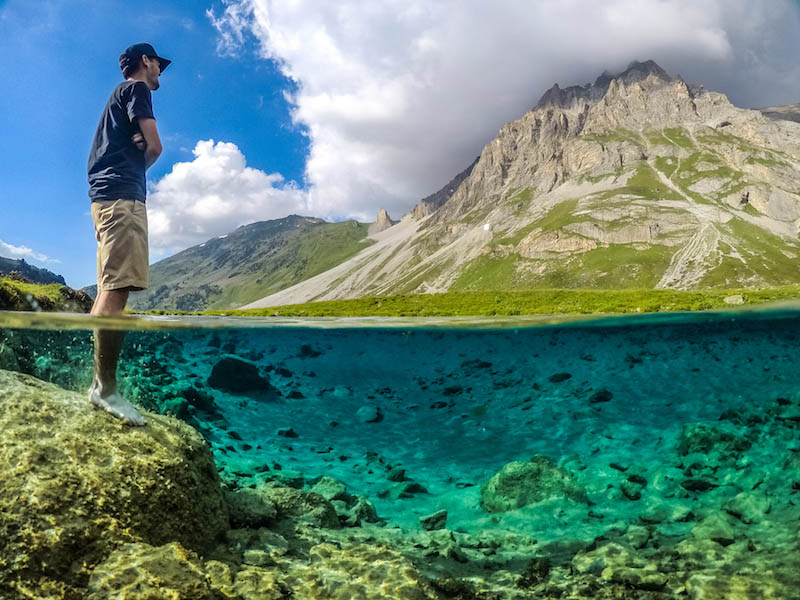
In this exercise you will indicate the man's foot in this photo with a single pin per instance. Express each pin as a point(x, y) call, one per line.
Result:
point(116, 405)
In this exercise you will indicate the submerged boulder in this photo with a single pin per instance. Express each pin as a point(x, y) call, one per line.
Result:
point(237, 376)
point(706, 437)
point(520, 483)
point(76, 484)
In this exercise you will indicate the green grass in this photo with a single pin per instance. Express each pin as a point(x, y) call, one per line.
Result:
point(769, 162)
point(556, 218)
point(530, 302)
point(715, 137)
point(520, 199)
point(615, 266)
point(486, 272)
point(16, 295)
point(615, 135)
point(666, 164)
point(771, 265)
point(679, 137)
point(644, 183)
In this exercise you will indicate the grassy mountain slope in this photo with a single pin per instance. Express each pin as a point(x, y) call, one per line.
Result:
point(254, 260)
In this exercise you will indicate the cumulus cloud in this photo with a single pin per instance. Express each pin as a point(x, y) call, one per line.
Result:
point(11, 251)
point(212, 195)
point(399, 95)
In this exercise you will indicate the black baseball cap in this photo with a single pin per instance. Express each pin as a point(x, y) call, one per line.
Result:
point(137, 51)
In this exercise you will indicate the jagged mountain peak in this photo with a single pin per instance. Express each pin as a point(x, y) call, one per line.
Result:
point(636, 72)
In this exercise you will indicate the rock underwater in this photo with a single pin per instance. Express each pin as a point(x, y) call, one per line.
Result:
point(76, 484)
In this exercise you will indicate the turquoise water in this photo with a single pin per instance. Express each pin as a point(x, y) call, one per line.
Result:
point(634, 410)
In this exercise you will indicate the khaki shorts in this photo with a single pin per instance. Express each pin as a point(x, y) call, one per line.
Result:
point(121, 230)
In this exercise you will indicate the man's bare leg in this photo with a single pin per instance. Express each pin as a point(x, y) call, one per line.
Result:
point(107, 347)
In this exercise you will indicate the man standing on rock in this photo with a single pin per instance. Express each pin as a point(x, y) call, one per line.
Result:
point(125, 145)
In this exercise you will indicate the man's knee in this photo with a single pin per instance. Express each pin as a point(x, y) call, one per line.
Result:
point(110, 302)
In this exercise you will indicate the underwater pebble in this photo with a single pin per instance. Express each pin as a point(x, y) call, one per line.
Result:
point(306, 351)
point(631, 490)
point(697, 485)
point(601, 395)
point(237, 376)
point(369, 414)
point(749, 507)
point(397, 475)
point(559, 377)
point(714, 527)
point(257, 558)
point(436, 520)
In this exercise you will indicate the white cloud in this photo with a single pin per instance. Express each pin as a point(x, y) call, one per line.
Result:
point(17, 252)
point(213, 195)
point(399, 95)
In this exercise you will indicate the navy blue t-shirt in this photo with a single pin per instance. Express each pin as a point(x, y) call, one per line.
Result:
point(116, 165)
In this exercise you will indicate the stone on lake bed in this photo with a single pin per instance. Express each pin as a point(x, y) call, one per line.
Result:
point(237, 376)
point(706, 437)
point(749, 507)
point(601, 395)
point(436, 520)
point(369, 414)
point(714, 527)
point(249, 508)
point(559, 377)
point(520, 483)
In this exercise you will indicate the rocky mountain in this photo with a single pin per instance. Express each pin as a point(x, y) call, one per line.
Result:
point(432, 203)
point(28, 271)
point(638, 180)
point(788, 112)
point(382, 222)
point(253, 261)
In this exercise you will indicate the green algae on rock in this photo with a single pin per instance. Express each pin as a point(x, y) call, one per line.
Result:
point(520, 483)
point(75, 484)
point(140, 571)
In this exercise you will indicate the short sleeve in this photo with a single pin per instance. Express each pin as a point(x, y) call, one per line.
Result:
point(140, 104)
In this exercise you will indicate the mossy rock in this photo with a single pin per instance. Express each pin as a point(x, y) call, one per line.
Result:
point(705, 438)
point(142, 572)
point(300, 505)
point(359, 571)
point(76, 484)
point(520, 483)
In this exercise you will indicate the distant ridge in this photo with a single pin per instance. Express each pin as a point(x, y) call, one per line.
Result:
point(30, 272)
point(243, 265)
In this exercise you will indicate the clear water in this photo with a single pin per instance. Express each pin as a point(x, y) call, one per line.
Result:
point(459, 399)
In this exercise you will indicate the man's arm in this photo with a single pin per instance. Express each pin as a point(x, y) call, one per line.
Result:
point(152, 148)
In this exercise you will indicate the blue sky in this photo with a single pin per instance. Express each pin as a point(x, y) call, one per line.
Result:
point(60, 62)
point(328, 109)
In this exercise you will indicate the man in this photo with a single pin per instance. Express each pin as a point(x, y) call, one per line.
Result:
point(125, 145)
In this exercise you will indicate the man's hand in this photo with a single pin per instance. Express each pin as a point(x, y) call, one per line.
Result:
point(152, 142)
point(139, 141)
